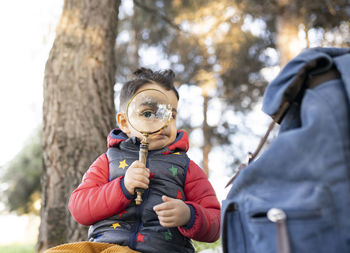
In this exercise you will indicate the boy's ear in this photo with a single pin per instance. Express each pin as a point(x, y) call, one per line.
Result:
point(123, 122)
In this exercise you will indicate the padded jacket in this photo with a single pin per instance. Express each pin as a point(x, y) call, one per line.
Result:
point(102, 201)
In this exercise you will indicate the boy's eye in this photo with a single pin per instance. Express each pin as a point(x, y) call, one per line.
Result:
point(148, 114)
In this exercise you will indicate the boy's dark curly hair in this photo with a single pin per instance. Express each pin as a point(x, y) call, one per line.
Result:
point(164, 78)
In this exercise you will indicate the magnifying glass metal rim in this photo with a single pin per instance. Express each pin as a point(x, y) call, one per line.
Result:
point(128, 118)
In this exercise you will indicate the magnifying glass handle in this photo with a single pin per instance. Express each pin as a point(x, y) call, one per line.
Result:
point(139, 192)
point(142, 157)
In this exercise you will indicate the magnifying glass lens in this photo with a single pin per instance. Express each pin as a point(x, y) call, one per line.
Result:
point(149, 111)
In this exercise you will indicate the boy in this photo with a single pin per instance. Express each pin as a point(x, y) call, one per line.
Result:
point(179, 202)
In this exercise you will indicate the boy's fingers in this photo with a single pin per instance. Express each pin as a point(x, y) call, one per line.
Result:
point(165, 205)
point(142, 186)
point(166, 198)
point(138, 164)
point(166, 219)
point(164, 214)
point(141, 172)
point(162, 207)
point(167, 223)
point(141, 179)
point(159, 207)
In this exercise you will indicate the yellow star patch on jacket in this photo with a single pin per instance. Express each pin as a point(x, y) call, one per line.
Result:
point(115, 225)
point(123, 164)
point(176, 153)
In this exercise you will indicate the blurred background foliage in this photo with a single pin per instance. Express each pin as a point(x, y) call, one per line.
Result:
point(21, 180)
point(227, 49)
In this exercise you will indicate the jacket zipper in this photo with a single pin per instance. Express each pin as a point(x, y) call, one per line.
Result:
point(139, 224)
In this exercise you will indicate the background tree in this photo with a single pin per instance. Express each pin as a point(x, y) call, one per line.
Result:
point(78, 109)
point(231, 43)
point(287, 18)
point(203, 41)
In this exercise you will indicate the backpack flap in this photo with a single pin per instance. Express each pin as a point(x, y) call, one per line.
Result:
point(292, 80)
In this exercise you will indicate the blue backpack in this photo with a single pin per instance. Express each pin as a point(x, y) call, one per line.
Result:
point(295, 197)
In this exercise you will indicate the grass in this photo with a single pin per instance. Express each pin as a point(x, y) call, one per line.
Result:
point(17, 248)
point(199, 246)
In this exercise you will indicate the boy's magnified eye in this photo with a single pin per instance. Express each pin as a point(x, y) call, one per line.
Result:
point(149, 114)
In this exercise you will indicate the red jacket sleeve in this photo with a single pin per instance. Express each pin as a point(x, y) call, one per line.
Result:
point(96, 198)
point(201, 196)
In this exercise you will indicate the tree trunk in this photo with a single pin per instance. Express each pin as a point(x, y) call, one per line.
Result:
point(78, 110)
point(206, 136)
point(207, 83)
point(134, 42)
point(287, 27)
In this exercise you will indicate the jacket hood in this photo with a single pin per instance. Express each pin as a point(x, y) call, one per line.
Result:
point(181, 143)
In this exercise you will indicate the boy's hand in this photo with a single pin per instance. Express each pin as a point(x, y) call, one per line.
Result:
point(137, 176)
point(172, 212)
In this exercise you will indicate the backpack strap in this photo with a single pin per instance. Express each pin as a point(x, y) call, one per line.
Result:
point(315, 80)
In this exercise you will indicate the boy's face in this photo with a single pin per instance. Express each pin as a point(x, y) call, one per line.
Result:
point(165, 136)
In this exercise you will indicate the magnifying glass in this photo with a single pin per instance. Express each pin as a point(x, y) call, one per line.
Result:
point(148, 112)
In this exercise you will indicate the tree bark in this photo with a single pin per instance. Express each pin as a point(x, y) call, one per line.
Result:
point(206, 136)
point(78, 110)
point(134, 42)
